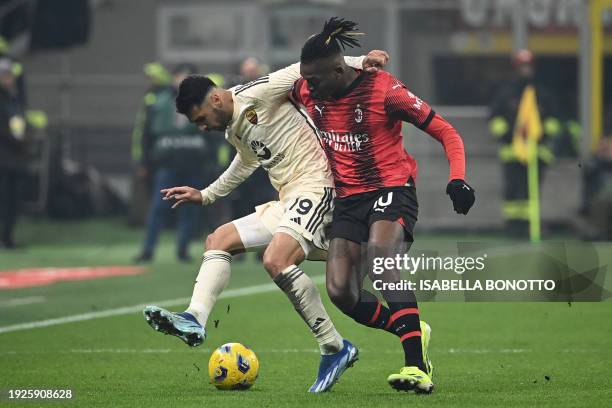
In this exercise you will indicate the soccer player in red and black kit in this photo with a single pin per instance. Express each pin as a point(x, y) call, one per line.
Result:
point(359, 117)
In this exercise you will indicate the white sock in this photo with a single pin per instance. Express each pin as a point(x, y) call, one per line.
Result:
point(305, 297)
point(212, 279)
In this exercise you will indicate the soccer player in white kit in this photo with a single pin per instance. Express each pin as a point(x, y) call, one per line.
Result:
point(268, 131)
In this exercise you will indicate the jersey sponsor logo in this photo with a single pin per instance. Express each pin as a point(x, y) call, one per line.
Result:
point(277, 159)
point(261, 150)
point(398, 85)
point(383, 202)
point(358, 114)
point(344, 142)
point(297, 220)
point(251, 116)
point(319, 109)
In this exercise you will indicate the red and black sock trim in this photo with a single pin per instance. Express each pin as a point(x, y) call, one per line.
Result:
point(405, 323)
point(401, 319)
point(370, 312)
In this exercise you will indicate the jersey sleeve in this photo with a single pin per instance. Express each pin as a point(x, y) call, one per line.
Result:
point(447, 135)
point(281, 82)
point(238, 171)
point(355, 62)
point(402, 104)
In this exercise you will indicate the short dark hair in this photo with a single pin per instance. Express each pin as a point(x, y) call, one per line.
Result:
point(192, 92)
point(337, 34)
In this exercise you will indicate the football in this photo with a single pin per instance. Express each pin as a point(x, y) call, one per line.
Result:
point(233, 366)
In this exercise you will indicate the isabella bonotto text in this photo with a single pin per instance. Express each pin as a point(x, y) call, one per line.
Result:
point(502, 285)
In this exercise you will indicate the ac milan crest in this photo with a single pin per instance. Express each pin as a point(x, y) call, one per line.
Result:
point(358, 114)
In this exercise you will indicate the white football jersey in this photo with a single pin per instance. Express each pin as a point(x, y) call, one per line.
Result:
point(267, 130)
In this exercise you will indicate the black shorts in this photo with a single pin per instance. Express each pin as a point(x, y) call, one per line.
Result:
point(353, 215)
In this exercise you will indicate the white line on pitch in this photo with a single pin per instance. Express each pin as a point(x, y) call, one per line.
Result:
point(232, 293)
point(30, 300)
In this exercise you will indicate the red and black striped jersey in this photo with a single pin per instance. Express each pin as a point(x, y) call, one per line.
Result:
point(360, 132)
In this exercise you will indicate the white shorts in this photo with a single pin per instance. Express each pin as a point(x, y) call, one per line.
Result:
point(304, 216)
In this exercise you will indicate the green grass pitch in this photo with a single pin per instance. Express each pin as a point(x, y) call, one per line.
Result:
point(485, 354)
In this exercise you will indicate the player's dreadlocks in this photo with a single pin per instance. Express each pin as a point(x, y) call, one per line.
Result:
point(192, 92)
point(337, 34)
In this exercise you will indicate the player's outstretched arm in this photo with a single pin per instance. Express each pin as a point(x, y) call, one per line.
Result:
point(238, 171)
point(281, 81)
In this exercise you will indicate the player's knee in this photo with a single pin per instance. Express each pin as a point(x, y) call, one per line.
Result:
point(211, 242)
point(273, 263)
point(389, 239)
point(215, 241)
point(382, 244)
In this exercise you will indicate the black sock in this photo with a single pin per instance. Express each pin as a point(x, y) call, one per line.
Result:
point(405, 323)
point(370, 312)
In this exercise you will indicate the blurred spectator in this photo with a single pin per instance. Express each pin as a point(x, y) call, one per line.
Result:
point(13, 153)
point(596, 204)
point(597, 172)
point(504, 111)
point(20, 94)
point(177, 151)
point(160, 83)
point(251, 69)
point(567, 144)
point(597, 193)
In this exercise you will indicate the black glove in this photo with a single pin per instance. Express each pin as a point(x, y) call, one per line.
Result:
point(461, 194)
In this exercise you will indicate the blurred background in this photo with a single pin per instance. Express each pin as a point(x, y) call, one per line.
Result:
point(87, 72)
